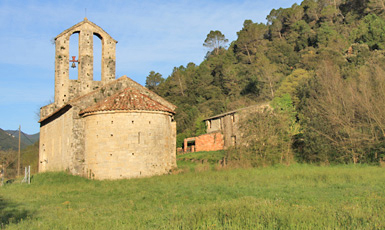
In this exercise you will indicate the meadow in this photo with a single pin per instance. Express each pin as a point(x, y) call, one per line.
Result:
point(277, 197)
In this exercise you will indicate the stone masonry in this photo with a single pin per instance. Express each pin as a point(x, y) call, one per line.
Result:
point(222, 130)
point(108, 129)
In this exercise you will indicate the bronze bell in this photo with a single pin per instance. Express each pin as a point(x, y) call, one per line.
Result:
point(73, 65)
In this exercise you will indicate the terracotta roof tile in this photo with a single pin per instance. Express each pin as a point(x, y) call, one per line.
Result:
point(127, 99)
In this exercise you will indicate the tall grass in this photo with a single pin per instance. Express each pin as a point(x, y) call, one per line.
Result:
point(200, 161)
point(294, 197)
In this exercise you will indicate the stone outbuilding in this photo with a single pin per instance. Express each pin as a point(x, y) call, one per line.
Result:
point(108, 129)
point(222, 130)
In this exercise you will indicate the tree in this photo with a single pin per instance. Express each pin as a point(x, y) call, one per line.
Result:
point(376, 6)
point(7, 160)
point(215, 40)
point(153, 80)
point(266, 137)
point(302, 35)
point(344, 118)
point(319, 61)
point(268, 75)
point(311, 10)
point(250, 40)
point(371, 31)
point(274, 21)
point(292, 15)
point(290, 84)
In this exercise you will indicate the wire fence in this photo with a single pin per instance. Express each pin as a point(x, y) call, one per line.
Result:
point(5, 180)
point(9, 170)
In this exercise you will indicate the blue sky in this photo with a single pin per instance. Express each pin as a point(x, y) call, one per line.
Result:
point(152, 35)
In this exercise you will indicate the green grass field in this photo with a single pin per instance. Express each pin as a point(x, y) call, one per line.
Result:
point(199, 161)
point(294, 197)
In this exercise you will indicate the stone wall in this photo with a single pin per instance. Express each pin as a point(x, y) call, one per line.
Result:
point(75, 127)
point(214, 125)
point(228, 123)
point(55, 145)
point(47, 110)
point(129, 144)
point(76, 143)
point(227, 126)
point(66, 89)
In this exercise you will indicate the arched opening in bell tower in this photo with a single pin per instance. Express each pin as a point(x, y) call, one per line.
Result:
point(74, 51)
point(97, 50)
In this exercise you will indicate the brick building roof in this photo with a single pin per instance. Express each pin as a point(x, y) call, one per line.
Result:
point(127, 99)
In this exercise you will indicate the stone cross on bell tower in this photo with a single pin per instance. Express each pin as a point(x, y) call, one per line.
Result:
point(66, 89)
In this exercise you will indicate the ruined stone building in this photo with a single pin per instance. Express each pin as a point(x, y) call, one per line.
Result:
point(222, 130)
point(107, 129)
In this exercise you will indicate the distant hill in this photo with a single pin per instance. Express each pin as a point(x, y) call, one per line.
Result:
point(28, 139)
point(9, 139)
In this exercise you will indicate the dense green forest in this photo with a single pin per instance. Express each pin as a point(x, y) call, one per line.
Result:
point(321, 65)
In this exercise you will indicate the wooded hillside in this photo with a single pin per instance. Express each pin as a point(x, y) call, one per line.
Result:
point(322, 62)
point(9, 140)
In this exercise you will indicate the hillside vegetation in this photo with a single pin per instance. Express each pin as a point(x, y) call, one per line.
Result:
point(28, 139)
point(8, 141)
point(295, 197)
point(29, 154)
point(321, 63)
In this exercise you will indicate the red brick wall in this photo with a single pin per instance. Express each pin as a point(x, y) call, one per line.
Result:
point(209, 142)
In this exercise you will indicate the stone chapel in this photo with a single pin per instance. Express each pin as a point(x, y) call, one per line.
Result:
point(107, 129)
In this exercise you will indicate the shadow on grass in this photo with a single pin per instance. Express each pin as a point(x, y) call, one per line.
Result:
point(10, 212)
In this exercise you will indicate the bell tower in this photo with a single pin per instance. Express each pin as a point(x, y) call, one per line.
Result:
point(66, 89)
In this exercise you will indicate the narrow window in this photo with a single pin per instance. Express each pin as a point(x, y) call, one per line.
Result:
point(74, 51)
point(97, 50)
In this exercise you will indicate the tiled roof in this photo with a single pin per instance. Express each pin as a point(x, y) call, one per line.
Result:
point(127, 99)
